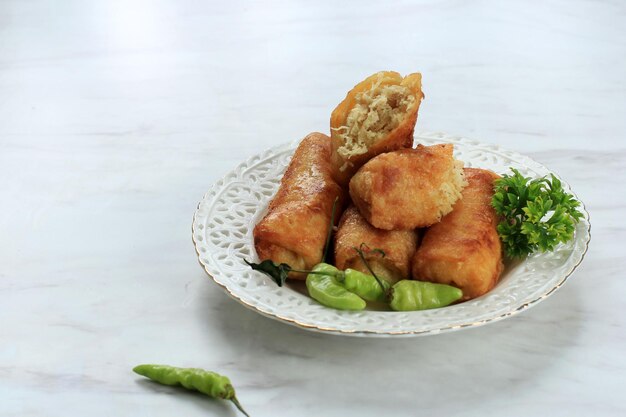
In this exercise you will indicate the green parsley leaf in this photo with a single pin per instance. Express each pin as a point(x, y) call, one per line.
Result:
point(537, 214)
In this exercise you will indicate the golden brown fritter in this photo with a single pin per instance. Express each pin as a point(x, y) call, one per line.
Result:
point(378, 115)
point(295, 228)
point(398, 245)
point(409, 188)
point(464, 249)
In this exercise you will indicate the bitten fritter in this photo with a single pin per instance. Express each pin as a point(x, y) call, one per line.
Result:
point(378, 115)
point(464, 249)
point(398, 246)
point(409, 188)
point(295, 228)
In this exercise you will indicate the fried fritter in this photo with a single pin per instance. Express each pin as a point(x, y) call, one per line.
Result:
point(409, 188)
point(295, 228)
point(464, 249)
point(378, 115)
point(398, 246)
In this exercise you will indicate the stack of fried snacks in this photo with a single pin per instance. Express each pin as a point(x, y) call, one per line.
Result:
point(395, 191)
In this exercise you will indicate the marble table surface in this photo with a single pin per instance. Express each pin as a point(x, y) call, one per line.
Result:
point(116, 117)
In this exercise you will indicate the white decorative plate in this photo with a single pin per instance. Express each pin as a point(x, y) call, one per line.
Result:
point(222, 234)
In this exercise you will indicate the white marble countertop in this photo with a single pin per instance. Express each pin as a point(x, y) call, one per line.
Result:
point(115, 118)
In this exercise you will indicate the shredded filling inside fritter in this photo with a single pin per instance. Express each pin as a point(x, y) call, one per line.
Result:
point(451, 187)
point(376, 113)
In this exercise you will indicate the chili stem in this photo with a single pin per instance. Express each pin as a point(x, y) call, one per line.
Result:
point(362, 256)
point(305, 271)
point(239, 407)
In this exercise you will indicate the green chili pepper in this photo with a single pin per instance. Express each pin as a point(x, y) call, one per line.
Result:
point(327, 291)
point(210, 383)
point(328, 269)
point(408, 295)
point(365, 286)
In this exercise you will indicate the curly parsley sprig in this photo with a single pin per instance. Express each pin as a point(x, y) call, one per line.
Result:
point(537, 214)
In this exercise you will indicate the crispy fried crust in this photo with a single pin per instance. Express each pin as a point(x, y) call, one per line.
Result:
point(464, 249)
point(399, 247)
point(409, 188)
point(398, 138)
point(295, 227)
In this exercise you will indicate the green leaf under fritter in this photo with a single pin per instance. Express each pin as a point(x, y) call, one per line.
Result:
point(278, 273)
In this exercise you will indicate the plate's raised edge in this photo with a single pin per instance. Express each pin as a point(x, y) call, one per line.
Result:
point(407, 333)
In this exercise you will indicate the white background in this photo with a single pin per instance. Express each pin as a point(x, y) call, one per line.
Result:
point(116, 117)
